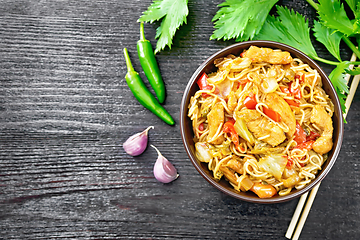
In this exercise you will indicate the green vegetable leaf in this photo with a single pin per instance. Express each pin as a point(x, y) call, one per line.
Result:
point(357, 11)
point(333, 15)
point(355, 71)
point(240, 19)
point(290, 28)
point(172, 14)
point(352, 4)
point(329, 37)
point(337, 77)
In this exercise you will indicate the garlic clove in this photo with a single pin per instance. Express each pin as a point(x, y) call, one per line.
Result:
point(137, 143)
point(164, 171)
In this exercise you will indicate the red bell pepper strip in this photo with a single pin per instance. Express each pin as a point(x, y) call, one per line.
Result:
point(289, 163)
point(229, 128)
point(231, 120)
point(250, 101)
point(204, 85)
point(312, 136)
point(306, 145)
point(243, 54)
point(290, 91)
point(292, 102)
point(300, 135)
point(300, 77)
point(295, 92)
point(285, 89)
point(272, 114)
point(243, 81)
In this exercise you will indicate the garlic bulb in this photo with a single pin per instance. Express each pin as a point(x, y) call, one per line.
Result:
point(164, 171)
point(137, 143)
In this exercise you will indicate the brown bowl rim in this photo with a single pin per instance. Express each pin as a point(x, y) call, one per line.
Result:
point(337, 115)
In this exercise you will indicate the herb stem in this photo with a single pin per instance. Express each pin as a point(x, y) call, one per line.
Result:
point(325, 60)
point(313, 4)
point(351, 46)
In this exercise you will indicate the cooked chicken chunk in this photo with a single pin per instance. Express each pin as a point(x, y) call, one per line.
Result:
point(215, 119)
point(322, 119)
point(279, 105)
point(257, 55)
point(261, 127)
point(279, 57)
point(229, 174)
point(236, 165)
point(232, 101)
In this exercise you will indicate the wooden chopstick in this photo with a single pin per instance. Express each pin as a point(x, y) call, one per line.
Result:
point(296, 215)
point(313, 192)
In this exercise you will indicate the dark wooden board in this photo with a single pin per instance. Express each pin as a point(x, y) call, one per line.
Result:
point(65, 110)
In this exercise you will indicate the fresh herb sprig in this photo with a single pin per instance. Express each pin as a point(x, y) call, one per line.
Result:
point(172, 14)
point(332, 14)
point(293, 29)
point(240, 19)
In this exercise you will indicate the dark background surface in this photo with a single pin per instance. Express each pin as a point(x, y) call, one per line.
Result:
point(65, 110)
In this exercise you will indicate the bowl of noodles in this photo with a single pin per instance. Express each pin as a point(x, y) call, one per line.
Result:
point(261, 122)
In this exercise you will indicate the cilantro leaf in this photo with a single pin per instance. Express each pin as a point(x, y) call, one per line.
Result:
point(333, 15)
point(240, 19)
point(329, 37)
point(337, 77)
point(290, 28)
point(172, 14)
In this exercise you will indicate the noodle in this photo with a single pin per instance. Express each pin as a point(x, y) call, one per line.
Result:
point(265, 121)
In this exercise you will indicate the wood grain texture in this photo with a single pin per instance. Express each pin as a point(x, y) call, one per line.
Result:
point(65, 110)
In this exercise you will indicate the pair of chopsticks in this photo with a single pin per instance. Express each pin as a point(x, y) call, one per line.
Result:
point(295, 221)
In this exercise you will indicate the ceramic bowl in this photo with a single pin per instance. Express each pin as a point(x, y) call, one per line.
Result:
point(187, 132)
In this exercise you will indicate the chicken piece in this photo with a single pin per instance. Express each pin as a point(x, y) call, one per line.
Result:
point(229, 174)
point(257, 54)
point(268, 55)
point(240, 63)
point(232, 101)
point(215, 119)
point(268, 150)
point(291, 181)
point(279, 105)
point(279, 57)
point(322, 119)
point(261, 127)
point(247, 114)
point(235, 165)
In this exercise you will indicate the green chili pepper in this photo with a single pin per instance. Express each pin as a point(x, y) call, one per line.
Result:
point(142, 94)
point(150, 66)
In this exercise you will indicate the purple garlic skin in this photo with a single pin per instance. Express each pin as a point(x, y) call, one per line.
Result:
point(164, 171)
point(137, 143)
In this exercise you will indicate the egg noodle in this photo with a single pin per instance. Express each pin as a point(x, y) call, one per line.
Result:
point(262, 121)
